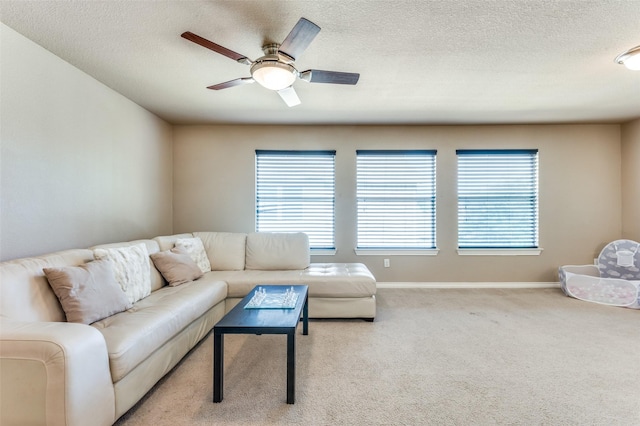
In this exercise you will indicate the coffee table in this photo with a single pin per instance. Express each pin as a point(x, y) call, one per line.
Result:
point(262, 321)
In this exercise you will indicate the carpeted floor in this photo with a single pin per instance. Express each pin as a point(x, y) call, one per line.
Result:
point(432, 357)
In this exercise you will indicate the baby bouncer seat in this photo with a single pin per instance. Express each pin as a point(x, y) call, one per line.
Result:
point(614, 281)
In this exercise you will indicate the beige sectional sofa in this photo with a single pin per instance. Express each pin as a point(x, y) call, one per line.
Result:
point(56, 372)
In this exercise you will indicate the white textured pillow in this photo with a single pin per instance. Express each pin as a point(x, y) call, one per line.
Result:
point(195, 248)
point(131, 268)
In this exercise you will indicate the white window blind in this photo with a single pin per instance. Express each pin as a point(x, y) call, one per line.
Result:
point(497, 199)
point(295, 192)
point(396, 193)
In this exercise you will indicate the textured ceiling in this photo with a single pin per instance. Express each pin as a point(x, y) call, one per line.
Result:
point(421, 62)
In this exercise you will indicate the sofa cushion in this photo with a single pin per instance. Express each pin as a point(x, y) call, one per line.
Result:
point(131, 267)
point(226, 250)
point(195, 249)
point(88, 292)
point(270, 251)
point(176, 266)
point(132, 336)
point(329, 280)
point(339, 280)
point(240, 283)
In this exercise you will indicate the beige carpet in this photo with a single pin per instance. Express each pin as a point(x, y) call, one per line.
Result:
point(440, 357)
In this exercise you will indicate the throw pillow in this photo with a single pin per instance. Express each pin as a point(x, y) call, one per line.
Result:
point(131, 267)
point(176, 266)
point(195, 248)
point(89, 292)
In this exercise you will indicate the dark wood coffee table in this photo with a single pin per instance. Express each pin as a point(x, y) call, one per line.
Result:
point(262, 321)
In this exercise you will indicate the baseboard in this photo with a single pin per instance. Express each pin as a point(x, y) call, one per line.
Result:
point(468, 285)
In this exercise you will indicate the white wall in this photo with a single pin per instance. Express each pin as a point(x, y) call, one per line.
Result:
point(580, 195)
point(631, 180)
point(80, 164)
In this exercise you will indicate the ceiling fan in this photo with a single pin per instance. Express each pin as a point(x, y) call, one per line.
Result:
point(276, 70)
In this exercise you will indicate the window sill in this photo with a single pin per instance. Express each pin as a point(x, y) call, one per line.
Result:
point(500, 252)
point(323, 252)
point(396, 252)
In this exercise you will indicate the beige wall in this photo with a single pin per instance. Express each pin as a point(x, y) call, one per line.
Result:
point(83, 165)
point(631, 180)
point(80, 164)
point(580, 196)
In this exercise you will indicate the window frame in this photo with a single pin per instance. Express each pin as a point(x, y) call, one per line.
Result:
point(260, 198)
point(533, 196)
point(431, 200)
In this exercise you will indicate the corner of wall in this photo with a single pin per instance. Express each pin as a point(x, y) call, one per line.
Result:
point(630, 153)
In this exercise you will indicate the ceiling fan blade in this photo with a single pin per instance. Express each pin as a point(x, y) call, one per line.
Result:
point(289, 96)
point(299, 38)
point(216, 47)
point(332, 77)
point(231, 83)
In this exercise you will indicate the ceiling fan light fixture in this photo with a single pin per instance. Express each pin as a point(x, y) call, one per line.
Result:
point(273, 75)
point(630, 58)
point(275, 70)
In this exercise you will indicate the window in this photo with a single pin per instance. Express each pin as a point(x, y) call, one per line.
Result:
point(295, 192)
point(497, 199)
point(396, 192)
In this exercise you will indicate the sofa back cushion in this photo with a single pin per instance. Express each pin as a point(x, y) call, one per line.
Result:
point(277, 251)
point(157, 281)
point(226, 250)
point(25, 293)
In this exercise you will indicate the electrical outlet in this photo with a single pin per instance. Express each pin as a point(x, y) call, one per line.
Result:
point(387, 263)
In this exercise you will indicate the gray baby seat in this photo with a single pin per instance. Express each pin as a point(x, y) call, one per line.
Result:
point(614, 281)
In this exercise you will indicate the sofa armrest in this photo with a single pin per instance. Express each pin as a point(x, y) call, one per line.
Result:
point(54, 373)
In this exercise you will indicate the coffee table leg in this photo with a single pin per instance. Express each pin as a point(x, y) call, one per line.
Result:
point(305, 316)
point(291, 366)
point(218, 364)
